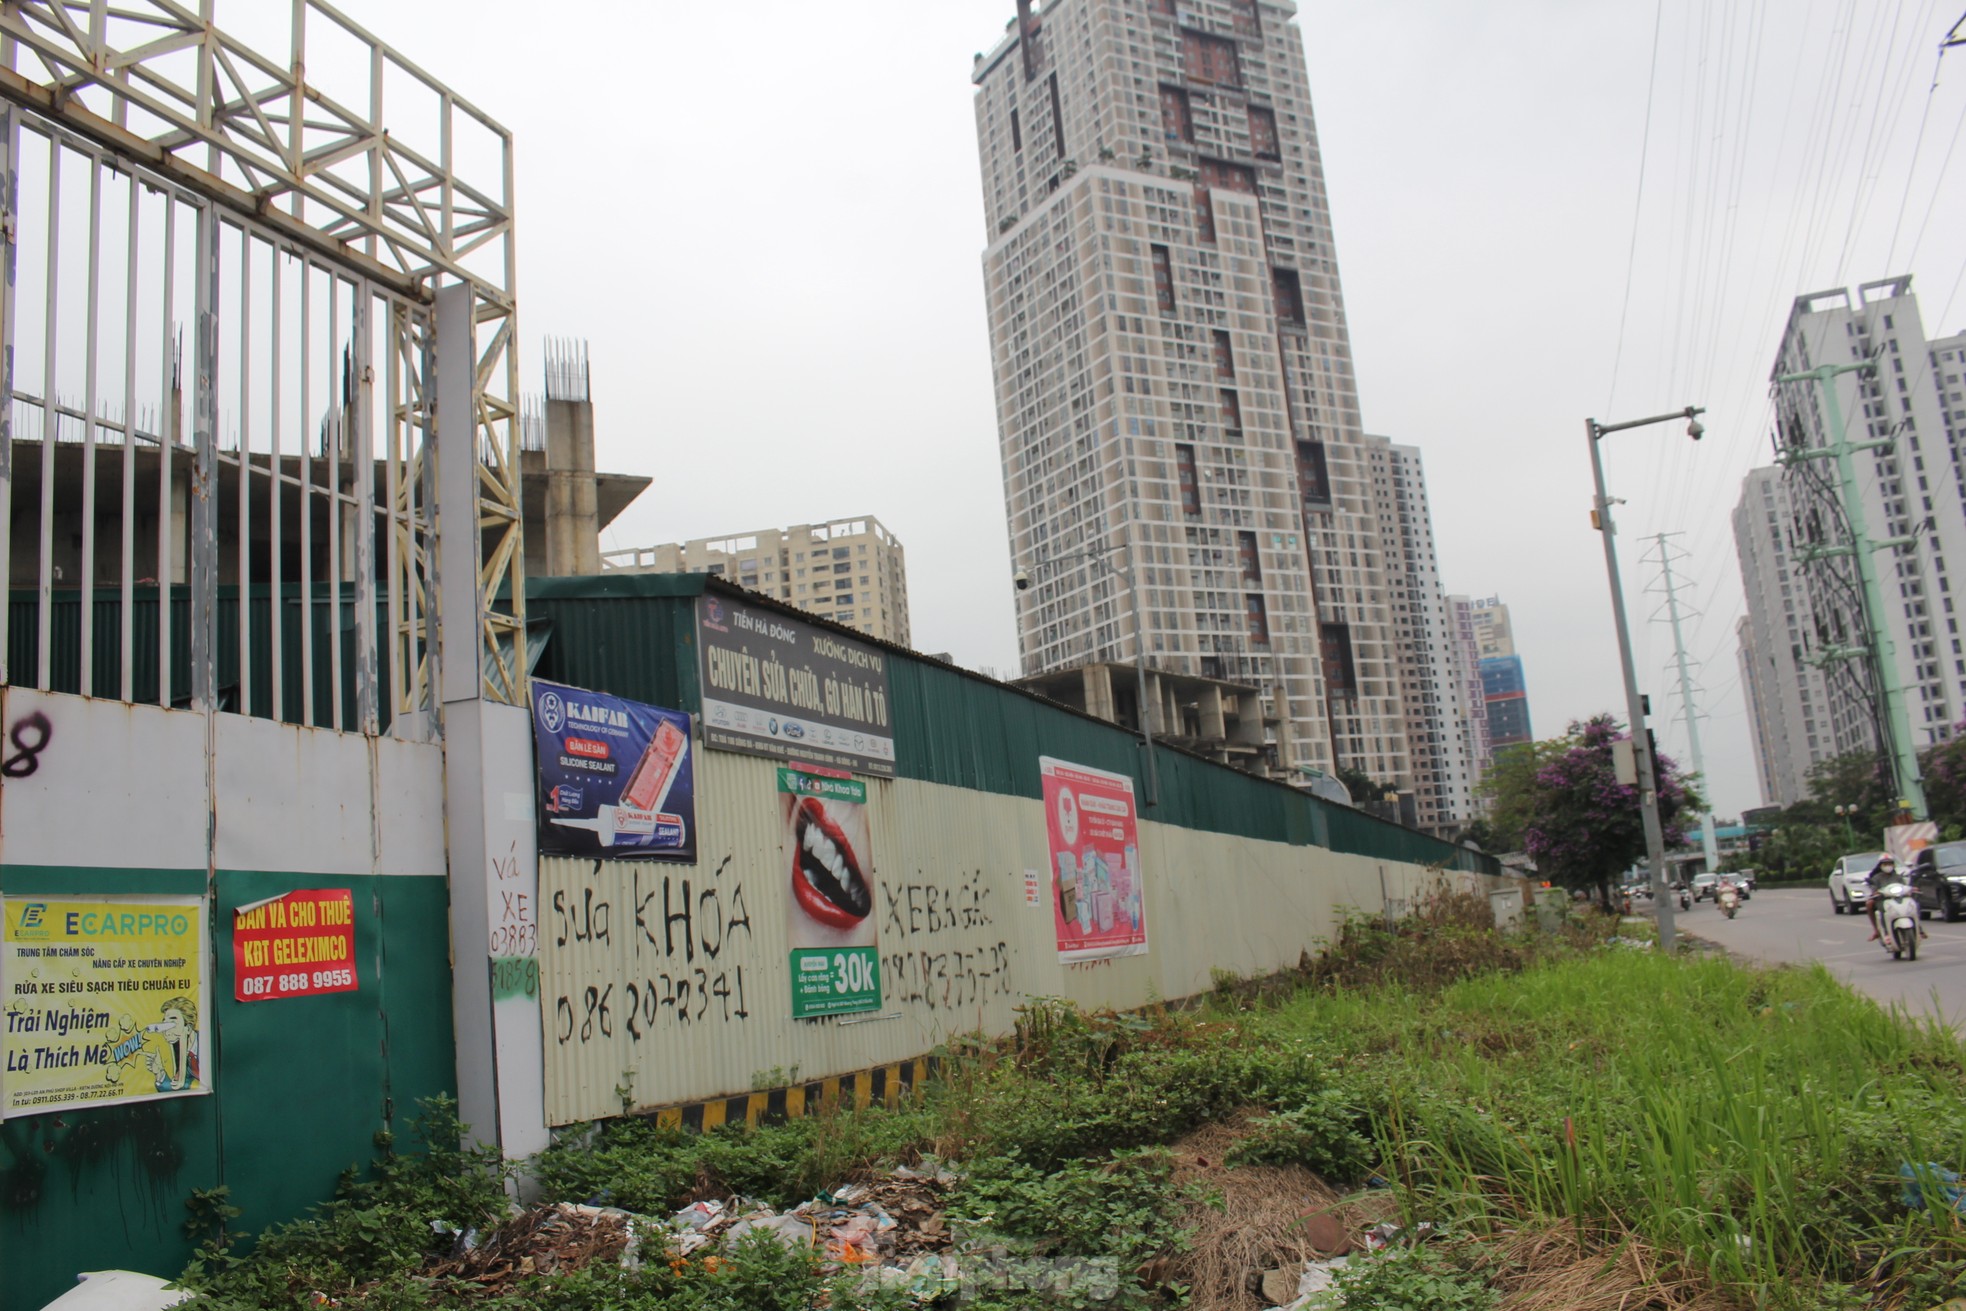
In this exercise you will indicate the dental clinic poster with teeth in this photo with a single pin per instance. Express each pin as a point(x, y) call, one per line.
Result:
point(835, 957)
point(1098, 902)
point(617, 778)
point(108, 1000)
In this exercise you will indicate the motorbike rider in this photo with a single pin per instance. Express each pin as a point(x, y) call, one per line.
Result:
point(1885, 871)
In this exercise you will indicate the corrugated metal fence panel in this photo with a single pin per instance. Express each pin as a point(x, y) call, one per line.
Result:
point(65, 647)
point(635, 635)
point(666, 983)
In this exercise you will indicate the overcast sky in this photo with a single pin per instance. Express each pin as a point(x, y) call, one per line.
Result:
point(766, 221)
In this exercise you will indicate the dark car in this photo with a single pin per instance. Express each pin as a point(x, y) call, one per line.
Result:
point(1938, 879)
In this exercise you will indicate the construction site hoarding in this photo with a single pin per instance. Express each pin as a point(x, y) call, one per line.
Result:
point(617, 778)
point(775, 684)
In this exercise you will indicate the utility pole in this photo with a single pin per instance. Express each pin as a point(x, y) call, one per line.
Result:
point(1648, 786)
point(1686, 695)
point(1883, 649)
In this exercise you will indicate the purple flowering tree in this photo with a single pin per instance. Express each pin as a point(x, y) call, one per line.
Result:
point(1944, 770)
point(1584, 826)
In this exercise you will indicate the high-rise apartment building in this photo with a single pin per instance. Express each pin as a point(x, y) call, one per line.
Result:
point(1787, 696)
point(1912, 492)
point(1431, 688)
point(1504, 688)
point(1173, 369)
point(852, 571)
point(1467, 671)
point(1494, 636)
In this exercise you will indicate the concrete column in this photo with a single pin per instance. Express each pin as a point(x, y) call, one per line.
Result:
point(1098, 681)
point(492, 848)
point(1213, 724)
point(573, 517)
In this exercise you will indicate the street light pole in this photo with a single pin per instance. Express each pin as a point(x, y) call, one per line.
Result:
point(1648, 779)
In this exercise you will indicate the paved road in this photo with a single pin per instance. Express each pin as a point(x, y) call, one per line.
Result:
point(1796, 924)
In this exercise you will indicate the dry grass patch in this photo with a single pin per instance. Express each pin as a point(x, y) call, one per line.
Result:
point(1549, 1270)
point(1259, 1223)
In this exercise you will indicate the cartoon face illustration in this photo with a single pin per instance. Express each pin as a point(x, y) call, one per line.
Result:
point(1068, 817)
point(173, 1061)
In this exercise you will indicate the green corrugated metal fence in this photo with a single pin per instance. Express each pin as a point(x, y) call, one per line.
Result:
point(634, 635)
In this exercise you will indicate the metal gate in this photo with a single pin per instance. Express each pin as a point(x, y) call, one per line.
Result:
point(217, 362)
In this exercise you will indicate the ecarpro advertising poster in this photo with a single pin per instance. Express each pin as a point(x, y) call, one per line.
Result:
point(1098, 903)
point(616, 777)
point(107, 1001)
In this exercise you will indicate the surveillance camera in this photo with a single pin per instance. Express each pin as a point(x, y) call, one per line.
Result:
point(1695, 430)
point(1021, 580)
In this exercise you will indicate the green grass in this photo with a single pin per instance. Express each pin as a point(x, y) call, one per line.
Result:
point(1751, 1122)
point(1747, 1126)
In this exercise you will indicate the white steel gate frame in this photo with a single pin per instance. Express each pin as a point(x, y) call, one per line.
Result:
point(156, 95)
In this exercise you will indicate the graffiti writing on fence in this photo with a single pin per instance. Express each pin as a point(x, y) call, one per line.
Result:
point(672, 955)
point(514, 932)
point(939, 948)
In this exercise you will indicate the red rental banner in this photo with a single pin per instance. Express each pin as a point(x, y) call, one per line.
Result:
point(299, 945)
point(1098, 905)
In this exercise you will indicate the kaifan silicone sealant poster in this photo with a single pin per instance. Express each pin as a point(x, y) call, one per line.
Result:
point(835, 957)
point(1098, 903)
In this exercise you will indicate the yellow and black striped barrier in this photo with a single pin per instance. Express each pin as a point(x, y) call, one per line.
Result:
point(887, 1084)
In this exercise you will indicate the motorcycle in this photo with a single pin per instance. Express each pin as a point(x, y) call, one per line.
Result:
point(1685, 899)
point(1730, 900)
point(1897, 921)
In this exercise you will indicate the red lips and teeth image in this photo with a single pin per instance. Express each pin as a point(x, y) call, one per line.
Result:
point(832, 887)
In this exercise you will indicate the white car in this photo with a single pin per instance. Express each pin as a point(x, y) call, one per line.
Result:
point(1849, 882)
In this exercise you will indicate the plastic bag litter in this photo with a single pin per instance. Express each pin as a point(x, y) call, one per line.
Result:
point(1319, 1277)
point(1931, 1179)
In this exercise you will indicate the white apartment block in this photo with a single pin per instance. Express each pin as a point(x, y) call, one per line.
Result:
point(1787, 697)
point(1494, 636)
point(1173, 370)
point(1432, 687)
point(852, 571)
point(1466, 644)
point(1911, 484)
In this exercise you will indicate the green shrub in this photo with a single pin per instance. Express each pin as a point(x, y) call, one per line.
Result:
point(1409, 1279)
point(1327, 1134)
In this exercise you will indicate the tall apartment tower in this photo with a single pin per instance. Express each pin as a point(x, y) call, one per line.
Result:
point(1173, 370)
point(1431, 690)
point(1911, 487)
point(1787, 696)
point(1467, 672)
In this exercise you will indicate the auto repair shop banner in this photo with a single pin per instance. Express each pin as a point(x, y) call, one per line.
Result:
point(1093, 831)
point(774, 685)
point(616, 777)
point(108, 1000)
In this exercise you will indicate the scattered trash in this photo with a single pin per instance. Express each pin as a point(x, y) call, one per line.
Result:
point(1931, 1180)
point(1388, 1234)
point(544, 1240)
point(1317, 1278)
point(893, 1229)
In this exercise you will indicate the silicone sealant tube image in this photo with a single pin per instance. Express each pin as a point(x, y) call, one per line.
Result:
point(624, 824)
point(653, 776)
